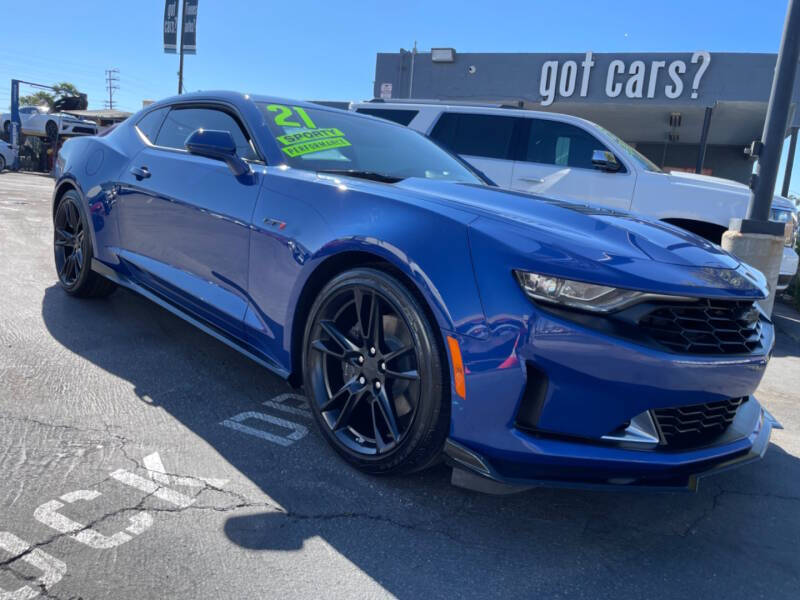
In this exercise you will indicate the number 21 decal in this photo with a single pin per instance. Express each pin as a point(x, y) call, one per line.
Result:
point(282, 119)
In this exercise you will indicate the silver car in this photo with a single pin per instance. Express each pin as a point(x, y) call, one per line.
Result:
point(6, 155)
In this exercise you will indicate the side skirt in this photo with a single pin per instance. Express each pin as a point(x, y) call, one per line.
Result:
point(109, 273)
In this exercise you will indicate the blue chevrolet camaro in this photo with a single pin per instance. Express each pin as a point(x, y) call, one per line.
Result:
point(425, 312)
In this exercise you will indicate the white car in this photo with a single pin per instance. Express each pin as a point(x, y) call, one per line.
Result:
point(36, 120)
point(568, 158)
point(6, 155)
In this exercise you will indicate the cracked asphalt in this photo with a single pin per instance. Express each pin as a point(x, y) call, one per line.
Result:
point(120, 397)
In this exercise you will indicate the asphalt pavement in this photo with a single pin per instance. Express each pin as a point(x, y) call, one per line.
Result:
point(140, 458)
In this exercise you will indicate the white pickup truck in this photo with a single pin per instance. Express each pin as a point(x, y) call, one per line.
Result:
point(569, 158)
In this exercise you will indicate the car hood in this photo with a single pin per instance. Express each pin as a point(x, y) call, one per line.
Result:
point(593, 243)
point(718, 184)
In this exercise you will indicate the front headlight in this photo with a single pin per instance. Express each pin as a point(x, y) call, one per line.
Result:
point(576, 294)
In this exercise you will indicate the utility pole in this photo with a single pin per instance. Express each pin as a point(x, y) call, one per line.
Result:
point(181, 19)
point(112, 81)
point(411, 80)
point(757, 240)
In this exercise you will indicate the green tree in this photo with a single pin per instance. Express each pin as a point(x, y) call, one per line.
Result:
point(43, 98)
point(65, 88)
point(40, 98)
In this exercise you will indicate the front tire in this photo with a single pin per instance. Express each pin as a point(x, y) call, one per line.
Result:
point(373, 374)
point(2, 163)
point(72, 248)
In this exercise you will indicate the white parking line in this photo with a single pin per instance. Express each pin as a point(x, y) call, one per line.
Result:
point(293, 404)
point(48, 514)
point(152, 488)
point(298, 431)
point(152, 462)
point(52, 569)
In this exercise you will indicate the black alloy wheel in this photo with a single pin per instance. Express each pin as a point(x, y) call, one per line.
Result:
point(72, 250)
point(373, 374)
point(70, 243)
point(51, 130)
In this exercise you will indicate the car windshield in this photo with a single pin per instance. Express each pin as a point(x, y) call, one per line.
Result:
point(348, 144)
point(633, 153)
point(782, 215)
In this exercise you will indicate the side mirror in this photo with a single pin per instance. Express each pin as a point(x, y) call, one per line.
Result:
point(606, 161)
point(218, 145)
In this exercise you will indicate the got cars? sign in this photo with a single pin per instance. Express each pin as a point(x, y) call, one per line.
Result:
point(635, 79)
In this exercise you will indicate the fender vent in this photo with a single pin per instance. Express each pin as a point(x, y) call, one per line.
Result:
point(530, 407)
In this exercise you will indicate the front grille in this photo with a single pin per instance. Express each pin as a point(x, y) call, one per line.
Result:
point(79, 129)
point(706, 327)
point(696, 425)
point(784, 280)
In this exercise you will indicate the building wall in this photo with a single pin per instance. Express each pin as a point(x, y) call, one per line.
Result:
point(634, 95)
point(741, 77)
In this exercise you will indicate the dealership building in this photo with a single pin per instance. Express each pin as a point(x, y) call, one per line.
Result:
point(692, 111)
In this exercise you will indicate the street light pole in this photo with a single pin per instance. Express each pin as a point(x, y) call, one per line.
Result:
point(755, 239)
point(180, 49)
point(769, 155)
point(787, 176)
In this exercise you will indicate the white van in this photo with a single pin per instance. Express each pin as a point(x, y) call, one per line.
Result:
point(568, 158)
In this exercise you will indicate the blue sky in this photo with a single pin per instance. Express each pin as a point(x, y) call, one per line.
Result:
point(326, 49)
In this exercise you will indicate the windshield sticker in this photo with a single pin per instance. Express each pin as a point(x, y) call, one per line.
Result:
point(284, 116)
point(315, 146)
point(309, 139)
point(309, 135)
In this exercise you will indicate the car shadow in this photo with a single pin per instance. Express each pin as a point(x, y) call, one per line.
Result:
point(420, 536)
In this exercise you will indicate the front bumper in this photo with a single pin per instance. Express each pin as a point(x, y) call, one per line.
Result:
point(595, 382)
point(676, 471)
point(788, 267)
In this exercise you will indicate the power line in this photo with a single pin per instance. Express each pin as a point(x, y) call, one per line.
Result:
point(54, 71)
point(112, 84)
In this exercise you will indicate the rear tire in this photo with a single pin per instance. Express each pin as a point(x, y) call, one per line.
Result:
point(373, 374)
point(51, 130)
point(72, 248)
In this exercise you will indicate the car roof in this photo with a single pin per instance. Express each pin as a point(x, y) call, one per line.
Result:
point(781, 202)
point(236, 97)
point(483, 108)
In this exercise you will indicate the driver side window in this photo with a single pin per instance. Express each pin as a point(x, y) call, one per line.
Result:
point(181, 122)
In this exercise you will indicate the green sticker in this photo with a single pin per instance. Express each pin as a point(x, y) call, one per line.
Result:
point(315, 146)
point(282, 119)
point(310, 135)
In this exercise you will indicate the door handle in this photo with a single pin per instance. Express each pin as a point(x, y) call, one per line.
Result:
point(140, 173)
point(531, 179)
